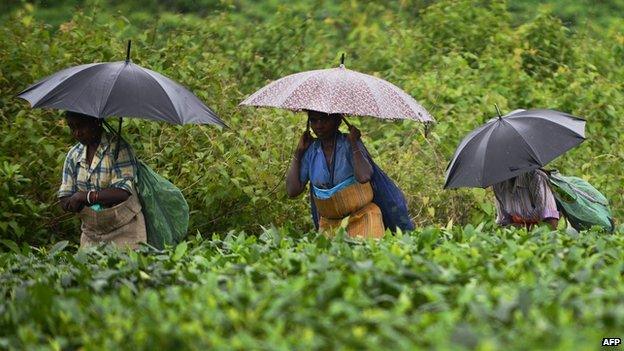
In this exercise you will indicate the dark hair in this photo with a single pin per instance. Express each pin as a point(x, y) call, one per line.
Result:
point(332, 115)
point(335, 116)
point(72, 114)
point(83, 119)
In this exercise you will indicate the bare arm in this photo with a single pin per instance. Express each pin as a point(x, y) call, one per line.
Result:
point(362, 168)
point(74, 203)
point(112, 196)
point(294, 186)
point(65, 203)
point(108, 197)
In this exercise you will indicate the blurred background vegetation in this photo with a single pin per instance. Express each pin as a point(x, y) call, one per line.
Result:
point(457, 58)
point(572, 13)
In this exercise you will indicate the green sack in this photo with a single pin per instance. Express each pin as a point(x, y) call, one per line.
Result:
point(580, 202)
point(164, 208)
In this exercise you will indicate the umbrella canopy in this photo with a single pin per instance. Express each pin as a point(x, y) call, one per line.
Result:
point(119, 89)
point(507, 146)
point(339, 90)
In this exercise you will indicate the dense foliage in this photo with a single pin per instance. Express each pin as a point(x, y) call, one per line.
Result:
point(456, 282)
point(453, 288)
point(456, 58)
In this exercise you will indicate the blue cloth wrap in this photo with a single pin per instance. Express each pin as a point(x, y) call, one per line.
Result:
point(325, 194)
point(386, 194)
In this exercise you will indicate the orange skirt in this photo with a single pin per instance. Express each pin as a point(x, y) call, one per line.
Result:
point(520, 220)
point(355, 203)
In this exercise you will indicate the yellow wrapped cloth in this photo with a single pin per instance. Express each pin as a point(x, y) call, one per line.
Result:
point(356, 203)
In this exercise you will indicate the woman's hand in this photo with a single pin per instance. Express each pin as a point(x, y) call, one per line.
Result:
point(354, 134)
point(65, 203)
point(294, 187)
point(76, 202)
point(304, 142)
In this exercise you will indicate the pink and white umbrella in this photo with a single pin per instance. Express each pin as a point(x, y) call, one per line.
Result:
point(339, 90)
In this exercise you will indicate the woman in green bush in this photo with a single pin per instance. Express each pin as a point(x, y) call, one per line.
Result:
point(97, 184)
point(345, 182)
point(337, 167)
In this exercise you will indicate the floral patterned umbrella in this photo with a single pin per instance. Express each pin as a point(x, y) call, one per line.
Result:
point(339, 90)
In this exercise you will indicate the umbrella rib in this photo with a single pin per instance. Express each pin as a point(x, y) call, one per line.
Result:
point(281, 100)
point(111, 90)
point(81, 93)
point(372, 93)
point(467, 140)
point(212, 115)
point(258, 94)
point(393, 89)
point(553, 122)
point(423, 114)
point(329, 103)
point(137, 96)
point(44, 99)
point(44, 80)
point(534, 153)
point(464, 144)
point(149, 73)
point(489, 132)
point(407, 100)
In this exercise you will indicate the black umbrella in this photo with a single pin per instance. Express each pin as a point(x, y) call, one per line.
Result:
point(507, 146)
point(119, 89)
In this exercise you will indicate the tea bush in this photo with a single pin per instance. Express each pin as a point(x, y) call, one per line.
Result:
point(252, 275)
point(454, 288)
point(457, 58)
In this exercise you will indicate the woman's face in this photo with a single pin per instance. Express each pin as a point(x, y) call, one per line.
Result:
point(86, 130)
point(323, 125)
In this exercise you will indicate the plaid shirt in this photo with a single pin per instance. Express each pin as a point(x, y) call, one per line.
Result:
point(529, 197)
point(103, 172)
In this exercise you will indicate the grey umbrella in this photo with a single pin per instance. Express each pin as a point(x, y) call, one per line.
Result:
point(119, 89)
point(507, 146)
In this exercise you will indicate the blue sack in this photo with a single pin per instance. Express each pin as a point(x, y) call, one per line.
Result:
point(390, 200)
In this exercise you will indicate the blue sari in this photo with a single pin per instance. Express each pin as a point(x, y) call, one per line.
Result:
point(386, 194)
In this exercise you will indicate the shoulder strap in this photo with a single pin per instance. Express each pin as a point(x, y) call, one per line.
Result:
point(116, 133)
point(548, 172)
point(333, 165)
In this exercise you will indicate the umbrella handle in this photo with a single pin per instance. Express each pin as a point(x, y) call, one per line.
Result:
point(118, 138)
point(128, 51)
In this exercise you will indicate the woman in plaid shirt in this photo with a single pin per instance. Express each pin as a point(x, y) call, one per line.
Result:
point(98, 185)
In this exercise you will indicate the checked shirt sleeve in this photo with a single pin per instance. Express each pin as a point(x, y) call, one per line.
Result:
point(124, 170)
point(68, 182)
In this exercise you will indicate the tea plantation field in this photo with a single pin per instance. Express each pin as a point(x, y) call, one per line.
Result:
point(453, 288)
point(252, 275)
